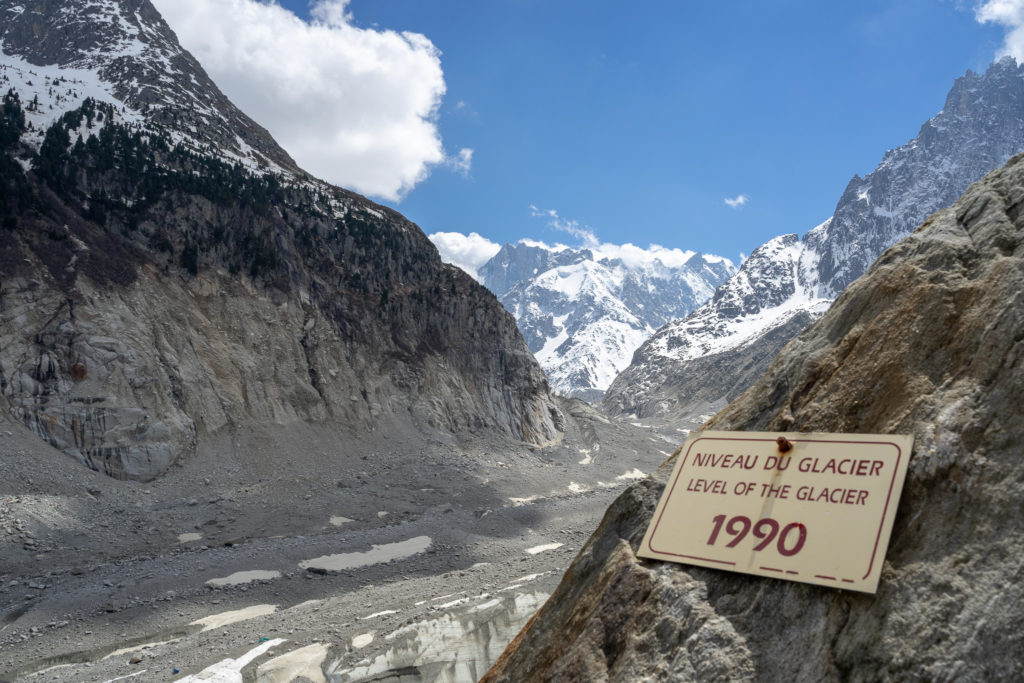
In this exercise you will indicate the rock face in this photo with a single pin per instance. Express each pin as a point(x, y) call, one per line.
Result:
point(152, 294)
point(583, 313)
point(928, 342)
point(706, 359)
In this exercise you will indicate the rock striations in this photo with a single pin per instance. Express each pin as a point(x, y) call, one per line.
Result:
point(584, 312)
point(166, 273)
point(929, 341)
point(701, 362)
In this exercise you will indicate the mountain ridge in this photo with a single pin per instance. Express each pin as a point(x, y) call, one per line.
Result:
point(980, 127)
point(127, 45)
point(584, 311)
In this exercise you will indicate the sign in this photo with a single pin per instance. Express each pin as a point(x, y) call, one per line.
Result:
point(816, 508)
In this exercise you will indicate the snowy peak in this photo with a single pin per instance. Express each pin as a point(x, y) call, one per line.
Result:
point(122, 52)
point(766, 279)
point(995, 88)
point(517, 262)
point(771, 286)
point(979, 129)
point(583, 312)
point(786, 283)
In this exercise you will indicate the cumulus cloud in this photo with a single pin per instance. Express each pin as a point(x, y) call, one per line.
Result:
point(737, 201)
point(634, 257)
point(355, 106)
point(1008, 13)
point(468, 252)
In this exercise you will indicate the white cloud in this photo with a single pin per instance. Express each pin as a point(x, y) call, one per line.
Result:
point(468, 252)
point(584, 234)
point(1008, 13)
point(355, 106)
point(631, 255)
point(332, 12)
point(634, 257)
point(738, 201)
point(544, 245)
point(461, 162)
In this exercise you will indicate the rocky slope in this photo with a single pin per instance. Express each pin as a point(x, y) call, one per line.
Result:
point(701, 362)
point(165, 278)
point(583, 313)
point(928, 342)
point(447, 547)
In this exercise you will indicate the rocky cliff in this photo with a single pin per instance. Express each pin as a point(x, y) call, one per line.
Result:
point(706, 359)
point(928, 342)
point(162, 279)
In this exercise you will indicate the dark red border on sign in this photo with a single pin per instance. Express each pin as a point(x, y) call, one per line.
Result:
point(885, 510)
point(682, 465)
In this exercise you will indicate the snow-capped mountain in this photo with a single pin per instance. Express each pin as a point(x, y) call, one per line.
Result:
point(584, 312)
point(124, 53)
point(699, 363)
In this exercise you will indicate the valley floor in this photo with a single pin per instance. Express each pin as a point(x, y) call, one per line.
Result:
point(376, 558)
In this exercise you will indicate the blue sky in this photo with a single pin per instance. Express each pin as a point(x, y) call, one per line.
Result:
point(636, 121)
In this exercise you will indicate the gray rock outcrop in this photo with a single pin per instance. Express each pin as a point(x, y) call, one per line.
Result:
point(928, 342)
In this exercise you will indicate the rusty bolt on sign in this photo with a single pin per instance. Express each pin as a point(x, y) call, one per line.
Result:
point(785, 445)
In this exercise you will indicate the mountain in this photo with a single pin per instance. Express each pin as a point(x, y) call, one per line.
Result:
point(168, 275)
point(928, 343)
point(583, 312)
point(697, 364)
point(123, 52)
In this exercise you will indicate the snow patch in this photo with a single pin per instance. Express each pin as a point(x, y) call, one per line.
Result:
point(230, 670)
point(543, 548)
point(221, 619)
point(382, 613)
point(377, 555)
